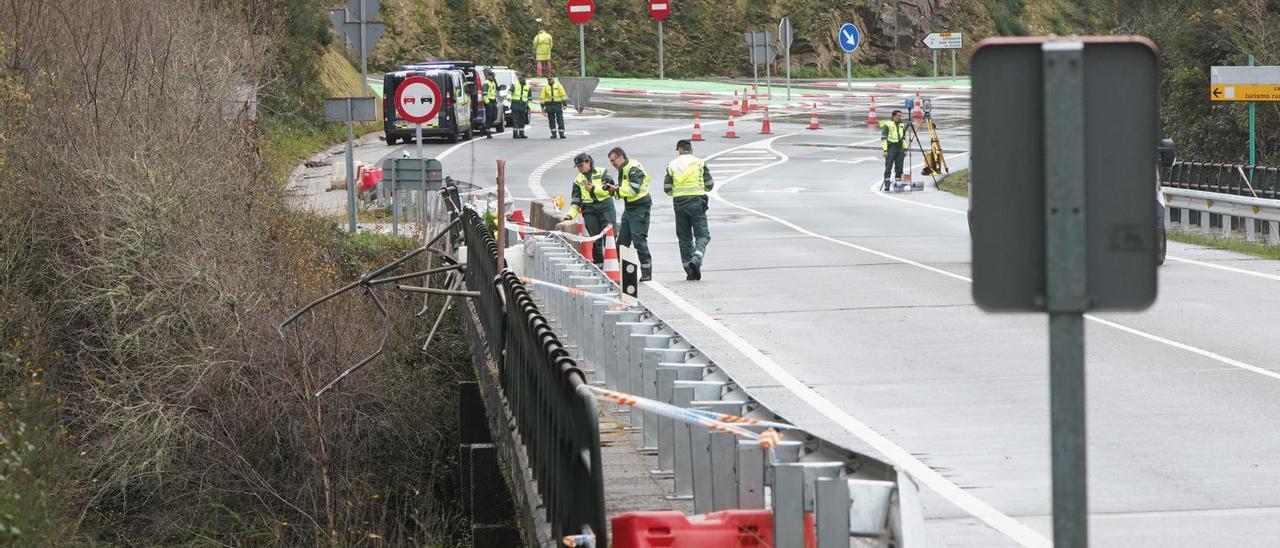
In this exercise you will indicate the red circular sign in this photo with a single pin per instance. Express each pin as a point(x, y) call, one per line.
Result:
point(418, 99)
point(580, 11)
point(659, 9)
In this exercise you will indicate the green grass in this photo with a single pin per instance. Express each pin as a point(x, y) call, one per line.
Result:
point(1256, 249)
point(956, 183)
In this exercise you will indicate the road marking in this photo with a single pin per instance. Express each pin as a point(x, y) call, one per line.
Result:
point(858, 161)
point(899, 456)
point(1262, 275)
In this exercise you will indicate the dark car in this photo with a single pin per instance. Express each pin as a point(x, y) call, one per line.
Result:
point(454, 120)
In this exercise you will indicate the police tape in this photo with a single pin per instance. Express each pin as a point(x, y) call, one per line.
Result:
point(580, 541)
point(526, 230)
point(598, 297)
point(768, 439)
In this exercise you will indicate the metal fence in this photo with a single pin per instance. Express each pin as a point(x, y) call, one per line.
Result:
point(557, 424)
point(850, 497)
point(1238, 179)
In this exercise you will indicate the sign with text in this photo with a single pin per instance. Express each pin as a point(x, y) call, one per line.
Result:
point(943, 40)
point(659, 9)
point(1244, 84)
point(580, 11)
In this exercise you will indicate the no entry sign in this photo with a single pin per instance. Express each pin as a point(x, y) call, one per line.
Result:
point(659, 9)
point(580, 11)
point(418, 99)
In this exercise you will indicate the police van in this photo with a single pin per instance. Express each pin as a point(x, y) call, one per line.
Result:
point(454, 120)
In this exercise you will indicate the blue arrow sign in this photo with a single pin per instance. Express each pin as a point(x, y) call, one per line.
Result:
point(849, 37)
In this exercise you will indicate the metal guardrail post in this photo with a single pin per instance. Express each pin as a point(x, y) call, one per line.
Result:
point(724, 482)
point(643, 385)
point(789, 451)
point(872, 501)
point(672, 434)
point(788, 505)
point(700, 448)
point(663, 352)
point(682, 441)
point(832, 514)
point(749, 468)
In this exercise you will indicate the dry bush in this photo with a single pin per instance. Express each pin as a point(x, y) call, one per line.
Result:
point(145, 258)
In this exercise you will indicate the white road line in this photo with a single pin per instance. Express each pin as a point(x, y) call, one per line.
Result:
point(900, 457)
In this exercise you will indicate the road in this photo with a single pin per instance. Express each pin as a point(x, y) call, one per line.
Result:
point(849, 311)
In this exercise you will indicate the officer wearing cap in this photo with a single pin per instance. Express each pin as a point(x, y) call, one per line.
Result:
point(687, 182)
point(593, 190)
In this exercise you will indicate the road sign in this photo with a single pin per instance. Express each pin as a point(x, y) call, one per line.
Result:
point(761, 44)
point(849, 37)
point(1009, 166)
point(580, 11)
point(363, 109)
point(1244, 84)
point(659, 9)
point(943, 40)
point(579, 90)
point(418, 99)
point(413, 173)
point(785, 33)
point(359, 30)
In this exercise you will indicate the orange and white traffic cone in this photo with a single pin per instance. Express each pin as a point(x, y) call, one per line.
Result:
point(871, 114)
point(586, 248)
point(918, 112)
point(732, 132)
point(813, 120)
point(755, 93)
point(697, 127)
point(612, 268)
point(765, 127)
point(734, 111)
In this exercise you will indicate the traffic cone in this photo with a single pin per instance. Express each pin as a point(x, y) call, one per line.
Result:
point(813, 120)
point(746, 105)
point(871, 114)
point(765, 128)
point(585, 247)
point(611, 267)
point(918, 112)
point(735, 111)
point(755, 93)
point(732, 132)
point(697, 127)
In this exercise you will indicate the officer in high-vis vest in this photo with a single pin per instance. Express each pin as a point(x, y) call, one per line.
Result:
point(893, 141)
point(519, 108)
point(633, 189)
point(490, 104)
point(542, 51)
point(687, 182)
point(553, 97)
point(593, 197)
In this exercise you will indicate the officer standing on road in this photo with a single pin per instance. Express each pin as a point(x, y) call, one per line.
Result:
point(553, 97)
point(519, 108)
point(490, 103)
point(633, 189)
point(893, 137)
point(688, 181)
point(593, 190)
point(542, 51)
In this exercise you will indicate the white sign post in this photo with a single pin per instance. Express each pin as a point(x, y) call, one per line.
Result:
point(944, 40)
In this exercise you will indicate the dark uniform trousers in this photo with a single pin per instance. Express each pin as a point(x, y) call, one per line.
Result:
point(596, 217)
point(893, 161)
point(634, 230)
point(691, 225)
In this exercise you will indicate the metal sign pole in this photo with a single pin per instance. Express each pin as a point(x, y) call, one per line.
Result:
point(661, 69)
point(953, 64)
point(768, 79)
point(364, 55)
point(1066, 277)
point(935, 63)
point(848, 71)
point(1253, 139)
point(582, 52)
point(351, 175)
point(788, 70)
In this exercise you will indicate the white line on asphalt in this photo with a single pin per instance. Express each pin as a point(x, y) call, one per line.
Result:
point(964, 500)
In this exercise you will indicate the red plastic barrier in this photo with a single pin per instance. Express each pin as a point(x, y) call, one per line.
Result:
point(727, 529)
point(369, 177)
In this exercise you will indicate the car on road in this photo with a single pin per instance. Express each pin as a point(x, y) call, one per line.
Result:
point(454, 121)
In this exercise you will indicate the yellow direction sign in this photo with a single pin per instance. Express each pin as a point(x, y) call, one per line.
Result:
point(1244, 84)
point(1244, 92)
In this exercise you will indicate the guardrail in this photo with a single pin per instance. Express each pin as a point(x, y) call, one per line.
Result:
point(1238, 179)
point(556, 424)
point(1226, 197)
point(631, 350)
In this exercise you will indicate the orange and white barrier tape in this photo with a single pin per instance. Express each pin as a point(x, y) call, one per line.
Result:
point(768, 439)
point(618, 304)
point(580, 541)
